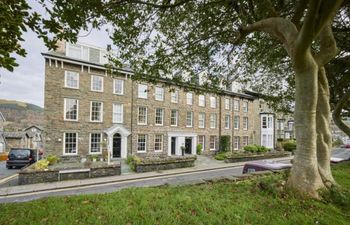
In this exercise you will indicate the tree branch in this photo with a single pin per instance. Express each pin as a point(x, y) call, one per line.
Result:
point(165, 4)
point(299, 12)
point(337, 113)
point(279, 28)
point(328, 48)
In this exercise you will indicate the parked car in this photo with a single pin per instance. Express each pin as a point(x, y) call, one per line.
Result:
point(20, 157)
point(346, 146)
point(264, 165)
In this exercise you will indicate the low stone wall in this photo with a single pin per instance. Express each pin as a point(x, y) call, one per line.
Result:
point(31, 176)
point(243, 158)
point(148, 165)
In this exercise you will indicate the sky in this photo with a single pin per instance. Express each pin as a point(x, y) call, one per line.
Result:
point(26, 82)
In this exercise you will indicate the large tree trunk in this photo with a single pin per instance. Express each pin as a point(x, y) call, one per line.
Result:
point(324, 137)
point(305, 177)
point(337, 113)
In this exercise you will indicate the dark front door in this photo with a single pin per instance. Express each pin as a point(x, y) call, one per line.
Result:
point(117, 145)
point(173, 145)
point(188, 145)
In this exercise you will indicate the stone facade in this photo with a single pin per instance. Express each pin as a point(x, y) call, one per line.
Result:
point(129, 130)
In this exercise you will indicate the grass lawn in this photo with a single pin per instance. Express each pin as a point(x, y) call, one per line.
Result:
point(257, 201)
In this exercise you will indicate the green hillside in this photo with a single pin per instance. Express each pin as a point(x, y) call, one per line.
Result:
point(16, 105)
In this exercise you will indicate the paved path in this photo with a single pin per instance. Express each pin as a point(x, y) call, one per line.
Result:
point(111, 184)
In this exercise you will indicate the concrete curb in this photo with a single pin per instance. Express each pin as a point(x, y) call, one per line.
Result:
point(65, 185)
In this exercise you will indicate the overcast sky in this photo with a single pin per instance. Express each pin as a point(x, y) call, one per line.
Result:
point(26, 82)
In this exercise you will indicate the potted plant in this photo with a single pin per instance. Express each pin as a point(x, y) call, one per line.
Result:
point(94, 158)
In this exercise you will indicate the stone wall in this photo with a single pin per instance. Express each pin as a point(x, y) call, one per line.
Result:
point(233, 158)
point(30, 176)
point(164, 164)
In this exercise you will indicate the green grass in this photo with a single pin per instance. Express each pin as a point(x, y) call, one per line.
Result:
point(257, 201)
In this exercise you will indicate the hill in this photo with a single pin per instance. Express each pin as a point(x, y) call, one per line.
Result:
point(19, 115)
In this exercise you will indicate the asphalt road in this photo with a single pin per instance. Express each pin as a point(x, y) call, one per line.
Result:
point(4, 172)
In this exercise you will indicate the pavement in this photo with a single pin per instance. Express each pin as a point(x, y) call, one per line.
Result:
point(4, 172)
point(205, 168)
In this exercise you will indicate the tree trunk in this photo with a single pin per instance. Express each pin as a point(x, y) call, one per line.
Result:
point(324, 136)
point(305, 177)
point(337, 113)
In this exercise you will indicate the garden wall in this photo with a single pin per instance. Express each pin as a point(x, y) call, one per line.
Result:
point(147, 165)
point(31, 176)
point(242, 158)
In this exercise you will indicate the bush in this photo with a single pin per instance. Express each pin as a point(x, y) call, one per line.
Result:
point(53, 159)
point(262, 149)
point(132, 160)
point(41, 164)
point(251, 148)
point(225, 143)
point(199, 149)
point(289, 145)
point(221, 156)
point(280, 139)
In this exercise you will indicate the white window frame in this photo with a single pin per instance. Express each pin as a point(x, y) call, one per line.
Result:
point(155, 117)
point(189, 98)
point(138, 115)
point(175, 96)
point(65, 109)
point(210, 142)
point(227, 104)
point(264, 122)
point(187, 113)
point(213, 120)
point(236, 122)
point(114, 113)
point(143, 151)
point(201, 143)
point(101, 117)
point(65, 79)
point(199, 120)
point(159, 94)
point(122, 86)
point(213, 103)
point(201, 100)
point(64, 143)
point(227, 121)
point(92, 83)
point(236, 105)
point(176, 118)
point(245, 106)
point(236, 144)
point(95, 153)
point(245, 140)
point(245, 123)
point(161, 143)
point(142, 91)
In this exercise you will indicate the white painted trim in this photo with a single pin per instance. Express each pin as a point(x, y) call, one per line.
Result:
point(113, 112)
point(114, 81)
point(155, 94)
point(162, 149)
point(191, 119)
point(64, 143)
point(95, 153)
point(177, 117)
point(138, 113)
point(91, 83)
point(146, 142)
point(65, 79)
point(93, 121)
point(155, 117)
point(138, 91)
point(65, 109)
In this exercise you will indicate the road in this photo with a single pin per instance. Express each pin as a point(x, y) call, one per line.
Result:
point(179, 179)
point(4, 172)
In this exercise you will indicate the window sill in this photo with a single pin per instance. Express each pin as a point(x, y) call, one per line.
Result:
point(142, 124)
point(96, 121)
point(141, 152)
point(70, 120)
point(74, 88)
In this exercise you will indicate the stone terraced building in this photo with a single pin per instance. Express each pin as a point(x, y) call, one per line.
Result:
point(88, 110)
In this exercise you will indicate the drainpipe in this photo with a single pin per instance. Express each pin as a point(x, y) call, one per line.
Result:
point(232, 124)
point(220, 120)
point(132, 114)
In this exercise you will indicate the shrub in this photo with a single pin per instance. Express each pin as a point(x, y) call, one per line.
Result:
point(251, 148)
point(53, 159)
point(225, 143)
point(199, 149)
point(132, 160)
point(41, 164)
point(262, 149)
point(221, 156)
point(280, 139)
point(289, 145)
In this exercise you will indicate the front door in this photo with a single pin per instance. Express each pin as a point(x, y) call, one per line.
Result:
point(173, 145)
point(188, 145)
point(117, 145)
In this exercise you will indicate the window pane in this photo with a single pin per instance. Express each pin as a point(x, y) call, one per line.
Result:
point(71, 79)
point(141, 143)
point(96, 111)
point(118, 86)
point(71, 109)
point(159, 94)
point(173, 117)
point(159, 116)
point(189, 119)
point(118, 113)
point(142, 91)
point(174, 96)
point(96, 83)
point(70, 143)
point(95, 142)
point(158, 142)
point(142, 117)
